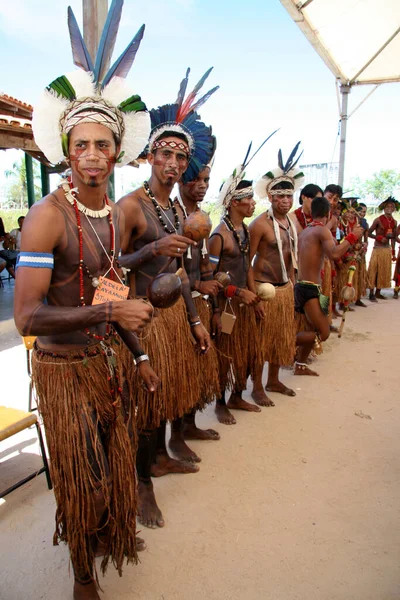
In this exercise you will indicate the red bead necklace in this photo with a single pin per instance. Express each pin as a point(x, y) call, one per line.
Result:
point(81, 262)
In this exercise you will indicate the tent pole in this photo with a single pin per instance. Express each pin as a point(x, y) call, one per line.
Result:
point(345, 91)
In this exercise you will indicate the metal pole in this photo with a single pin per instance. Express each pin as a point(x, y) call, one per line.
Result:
point(29, 180)
point(345, 91)
point(45, 178)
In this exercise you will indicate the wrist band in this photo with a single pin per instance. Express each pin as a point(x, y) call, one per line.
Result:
point(231, 291)
point(351, 238)
point(379, 238)
point(195, 323)
point(139, 359)
point(333, 273)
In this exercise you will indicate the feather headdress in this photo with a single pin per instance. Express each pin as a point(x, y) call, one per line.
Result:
point(95, 94)
point(283, 172)
point(392, 200)
point(182, 117)
point(228, 191)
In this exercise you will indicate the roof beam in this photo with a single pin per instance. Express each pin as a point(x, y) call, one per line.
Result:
point(375, 56)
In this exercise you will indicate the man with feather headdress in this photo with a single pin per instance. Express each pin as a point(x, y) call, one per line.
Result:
point(274, 249)
point(92, 120)
point(179, 144)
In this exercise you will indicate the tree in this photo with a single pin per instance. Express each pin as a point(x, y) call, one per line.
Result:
point(383, 184)
point(17, 192)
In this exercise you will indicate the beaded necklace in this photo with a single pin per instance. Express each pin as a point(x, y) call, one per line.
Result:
point(243, 246)
point(159, 210)
point(82, 265)
point(316, 224)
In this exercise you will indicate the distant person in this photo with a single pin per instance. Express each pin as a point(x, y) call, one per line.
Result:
point(6, 254)
point(383, 231)
point(16, 234)
point(301, 217)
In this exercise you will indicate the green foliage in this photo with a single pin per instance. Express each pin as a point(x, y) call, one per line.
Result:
point(380, 185)
point(17, 195)
point(10, 217)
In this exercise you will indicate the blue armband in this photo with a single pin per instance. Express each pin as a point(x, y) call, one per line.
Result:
point(38, 260)
point(214, 259)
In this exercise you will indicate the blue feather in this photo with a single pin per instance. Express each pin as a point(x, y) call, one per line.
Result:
point(182, 88)
point(123, 64)
point(80, 54)
point(107, 41)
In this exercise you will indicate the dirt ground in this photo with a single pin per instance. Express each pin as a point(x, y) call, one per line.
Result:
point(299, 502)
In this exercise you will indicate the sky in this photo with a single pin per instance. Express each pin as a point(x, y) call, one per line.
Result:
point(269, 76)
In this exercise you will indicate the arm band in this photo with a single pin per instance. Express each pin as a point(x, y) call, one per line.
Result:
point(379, 238)
point(230, 291)
point(213, 259)
point(38, 260)
point(351, 238)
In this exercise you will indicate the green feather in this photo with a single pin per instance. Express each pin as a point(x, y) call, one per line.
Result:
point(301, 174)
point(324, 303)
point(132, 104)
point(63, 88)
point(64, 143)
point(119, 157)
point(270, 175)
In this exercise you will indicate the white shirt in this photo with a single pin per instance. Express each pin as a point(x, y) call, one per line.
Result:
point(16, 233)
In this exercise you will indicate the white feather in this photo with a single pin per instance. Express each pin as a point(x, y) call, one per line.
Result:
point(46, 125)
point(117, 91)
point(82, 82)
point(230, 184)
point(137, 131)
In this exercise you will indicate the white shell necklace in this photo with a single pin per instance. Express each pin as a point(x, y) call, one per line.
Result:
point(69, 194)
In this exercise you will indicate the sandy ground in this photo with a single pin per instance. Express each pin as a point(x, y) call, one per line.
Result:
point(300, 502)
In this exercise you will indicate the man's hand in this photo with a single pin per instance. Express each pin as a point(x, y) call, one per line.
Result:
point(216, 325)
point(173, 245)
point(248, 297)
point(202, 338)
point(150, 379)
point(209, 288)
point(358, 231)
point(132, 315)
point(260, 312)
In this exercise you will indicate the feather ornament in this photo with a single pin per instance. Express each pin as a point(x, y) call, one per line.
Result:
point(186, 106)
point(119, 93)
point(182, 88)
point(137, 131)
point(107, 41)
point(80, 53)
point(289, 161)
point(82, 83)
point(45, 125)
point(123, 64)
point(62, 87)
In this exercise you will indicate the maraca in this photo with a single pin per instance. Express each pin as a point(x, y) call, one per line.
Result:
point(197, 226)
point(265, 291)
point(223, 278)
point(165, 289)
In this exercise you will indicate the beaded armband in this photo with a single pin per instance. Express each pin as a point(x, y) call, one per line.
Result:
point(38, 260)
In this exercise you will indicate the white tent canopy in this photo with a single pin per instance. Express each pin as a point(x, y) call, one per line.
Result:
point(359, 40)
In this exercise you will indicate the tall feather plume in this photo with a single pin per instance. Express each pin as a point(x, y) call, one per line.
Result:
point(80, 53)
point(182, 88)
point(280, 161)
point(258, 149)
point(244, 163)
point(204, 99)
point(107, 41)
point(123, 64)
point(186, 106)
point(289, 161)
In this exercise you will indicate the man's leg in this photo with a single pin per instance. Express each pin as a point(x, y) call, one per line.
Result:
point(258, 394)
point(318, 323)
point(178, 445)
point(192, 432)
point(273, 383)
point(149, 514)
point(163, 464)
point(236, 402)
point(224, 416)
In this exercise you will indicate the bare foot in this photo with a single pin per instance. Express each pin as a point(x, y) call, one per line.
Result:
point(149, 514)
point(165, 465)
point(102, 545)
point(359, 302)
point(85, 591)
point(236, 402)
point(279, 388)
point(191, 432)
point(380, 296)
point(223, 415)
point(334, 329)
point(261, 398)
point(182, 450)
point(304, 370)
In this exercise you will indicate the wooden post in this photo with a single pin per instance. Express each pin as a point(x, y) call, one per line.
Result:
point(29, 180)
point(45, 179)
point(94, 17)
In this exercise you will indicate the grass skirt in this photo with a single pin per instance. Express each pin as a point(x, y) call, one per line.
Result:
point(168, 342)
point(87, 424)
point(277, 330)
point(380, 268)
point(239, 353)
point(206, 365)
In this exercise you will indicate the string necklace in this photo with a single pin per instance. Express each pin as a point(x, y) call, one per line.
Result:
point(316, 224)
point(82, 266)
point(243, 246)
point(161, 211)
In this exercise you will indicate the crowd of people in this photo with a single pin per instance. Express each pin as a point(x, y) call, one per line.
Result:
point(144, 316)
point(10, 246)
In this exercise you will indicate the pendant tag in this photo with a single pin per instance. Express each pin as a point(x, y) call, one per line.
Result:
point(110, 291)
